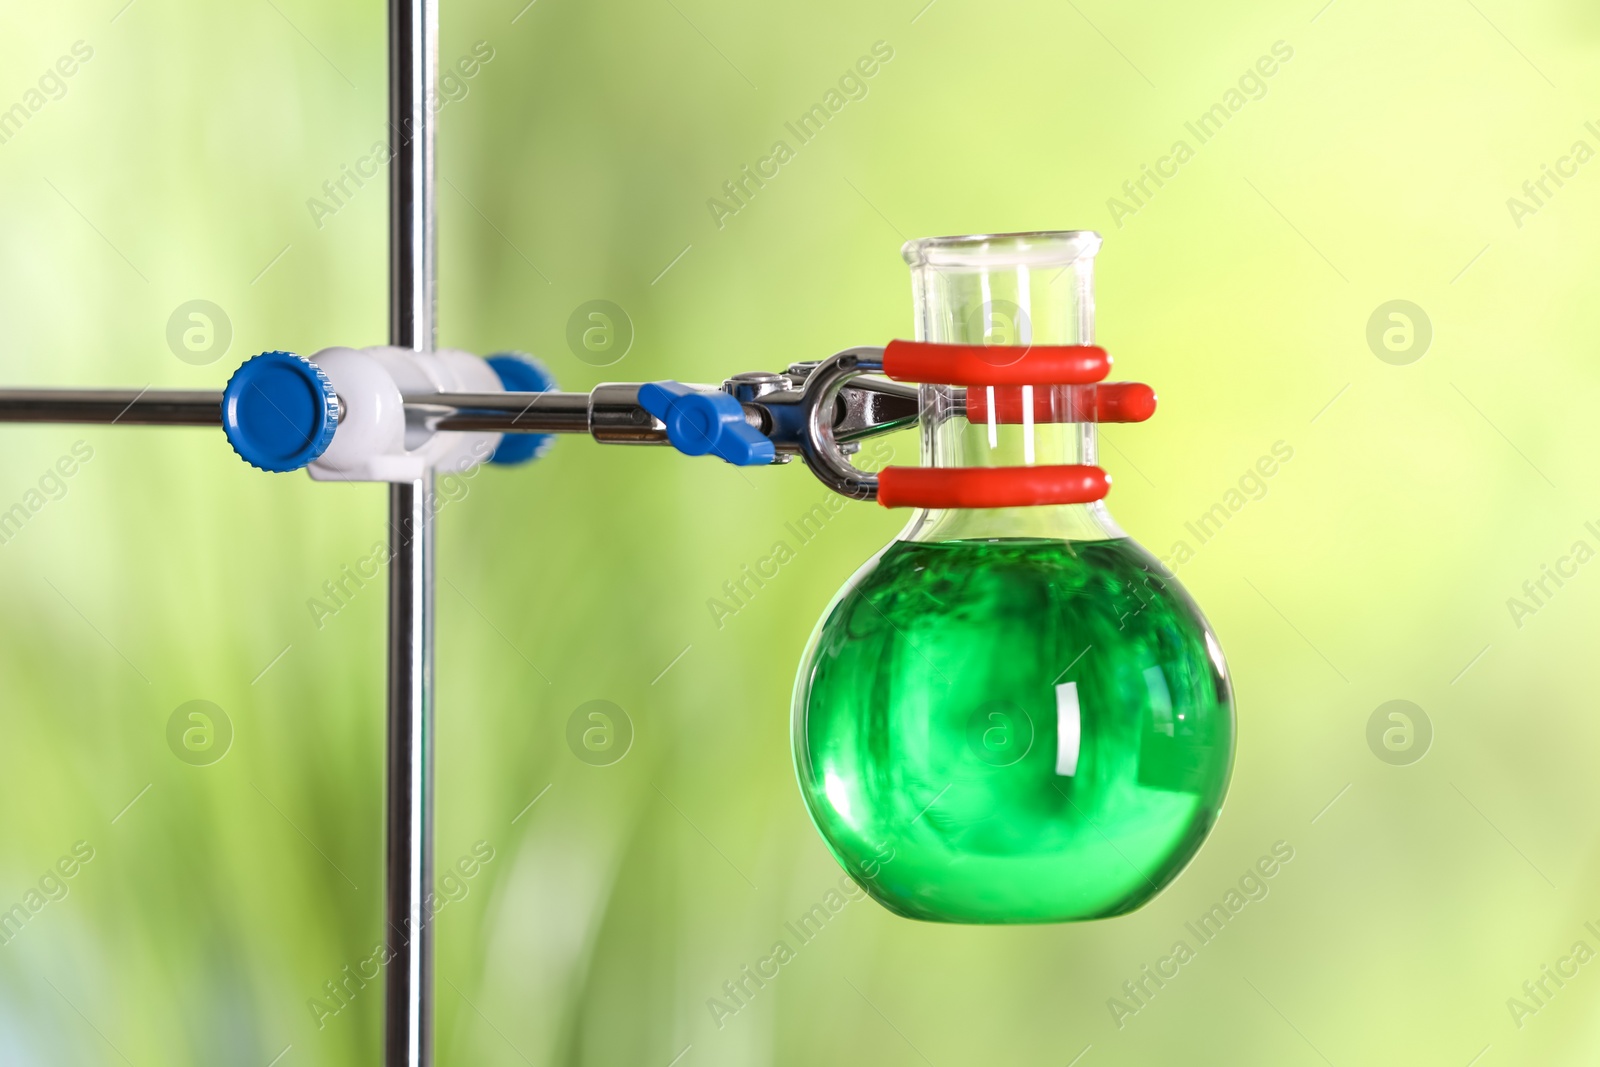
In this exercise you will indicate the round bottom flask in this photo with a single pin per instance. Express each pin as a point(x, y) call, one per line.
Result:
point(1015, 714)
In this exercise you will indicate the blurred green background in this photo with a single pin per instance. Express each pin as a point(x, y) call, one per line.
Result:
point(1426, 486)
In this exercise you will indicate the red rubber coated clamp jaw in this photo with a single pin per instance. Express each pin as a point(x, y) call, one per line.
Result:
point(933, 364)
point(1106, 402)
point(1046, 383)
point(991, 487)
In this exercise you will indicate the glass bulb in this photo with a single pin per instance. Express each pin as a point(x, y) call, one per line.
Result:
point(1012, 715)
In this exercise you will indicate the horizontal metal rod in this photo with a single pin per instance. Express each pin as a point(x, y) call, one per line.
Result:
point(130, 407)
point(610, 413)
point(504, 412)
point(488, 412)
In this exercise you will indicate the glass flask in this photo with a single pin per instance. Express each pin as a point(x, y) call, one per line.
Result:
point(1012, 714)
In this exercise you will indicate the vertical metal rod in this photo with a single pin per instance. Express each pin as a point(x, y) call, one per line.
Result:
point(408, 992)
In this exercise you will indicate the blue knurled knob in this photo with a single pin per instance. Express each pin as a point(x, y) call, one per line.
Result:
point(279, 411)
point(701, 423)
point(521, 374)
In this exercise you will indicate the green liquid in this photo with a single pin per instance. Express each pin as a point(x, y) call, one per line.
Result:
point(1013, 731)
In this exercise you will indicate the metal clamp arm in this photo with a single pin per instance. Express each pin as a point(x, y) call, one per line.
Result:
point(817, 411)
point(819, 446)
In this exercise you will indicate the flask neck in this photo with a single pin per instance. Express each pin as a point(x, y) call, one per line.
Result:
point(1010, 427)
point(1044, 522)
point(1007, 290)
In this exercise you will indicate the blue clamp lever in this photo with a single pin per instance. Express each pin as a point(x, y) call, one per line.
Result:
point(701, 423)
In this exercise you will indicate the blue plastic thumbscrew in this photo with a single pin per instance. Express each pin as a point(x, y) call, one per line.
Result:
point(706, 423)
point(279, 411)
point(521, 374)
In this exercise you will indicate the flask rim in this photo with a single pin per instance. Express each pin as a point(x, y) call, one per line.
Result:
point(1030, 248)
